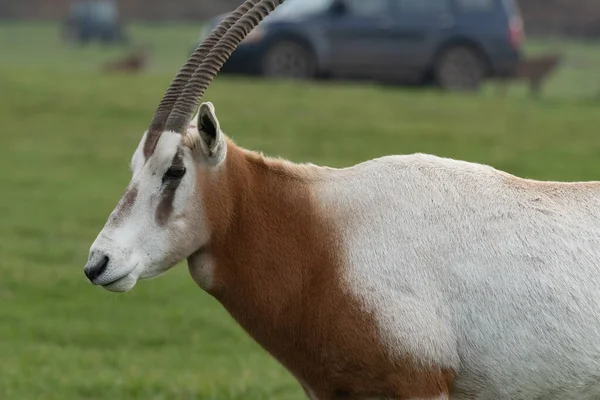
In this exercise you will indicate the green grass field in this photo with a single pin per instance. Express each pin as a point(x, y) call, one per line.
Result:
point(67, 135)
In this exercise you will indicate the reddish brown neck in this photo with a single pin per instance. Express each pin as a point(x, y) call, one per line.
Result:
point(268, 243)
point(277, 270)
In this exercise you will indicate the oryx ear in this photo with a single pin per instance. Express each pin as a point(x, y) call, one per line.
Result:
point(211, 137)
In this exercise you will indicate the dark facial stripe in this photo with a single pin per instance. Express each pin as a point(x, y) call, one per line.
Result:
point(125, 204)
point(165, 206)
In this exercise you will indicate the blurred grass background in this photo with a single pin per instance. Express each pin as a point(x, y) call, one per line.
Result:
point(67, 135)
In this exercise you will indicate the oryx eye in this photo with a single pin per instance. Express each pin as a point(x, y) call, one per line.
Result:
point(173, 173)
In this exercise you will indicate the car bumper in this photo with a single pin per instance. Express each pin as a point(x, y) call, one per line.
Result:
point(246, 59)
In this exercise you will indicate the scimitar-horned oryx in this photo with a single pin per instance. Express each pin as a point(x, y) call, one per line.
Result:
point(405, 277)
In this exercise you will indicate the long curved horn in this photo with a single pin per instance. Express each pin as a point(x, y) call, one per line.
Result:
point(189, 100)
point(185, 73)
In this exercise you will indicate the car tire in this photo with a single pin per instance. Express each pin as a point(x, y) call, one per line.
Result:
point(460, 69)
point(288, 60)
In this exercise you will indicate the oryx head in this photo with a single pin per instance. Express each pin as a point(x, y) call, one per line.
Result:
point(160, 219)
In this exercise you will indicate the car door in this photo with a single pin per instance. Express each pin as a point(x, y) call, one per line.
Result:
point(359, 40)
point(421, 26)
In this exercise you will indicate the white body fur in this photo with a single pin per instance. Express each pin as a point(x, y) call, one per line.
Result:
point(480, 285)
point(471, 268)
point(463, 266)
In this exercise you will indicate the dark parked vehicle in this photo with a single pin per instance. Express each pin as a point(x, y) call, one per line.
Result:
point(454, 43)
point(90, 20)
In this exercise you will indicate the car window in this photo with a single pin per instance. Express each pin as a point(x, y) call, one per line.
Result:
point(105, 11)
point(422, 6)
point(301, 7)
point(367, 8)
point(475, 5)
point(512, 7)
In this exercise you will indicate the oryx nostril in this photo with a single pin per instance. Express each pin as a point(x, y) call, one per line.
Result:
point(95, 270)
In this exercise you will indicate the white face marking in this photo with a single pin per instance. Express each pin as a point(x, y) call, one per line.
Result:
point(160, 221)
point(136, 244)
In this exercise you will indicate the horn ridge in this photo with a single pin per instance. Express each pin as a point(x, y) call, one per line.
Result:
point(183, 76)
point(192, 94)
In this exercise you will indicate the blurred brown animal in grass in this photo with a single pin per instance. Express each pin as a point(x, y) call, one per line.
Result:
point(136, 61)
point(534, 70)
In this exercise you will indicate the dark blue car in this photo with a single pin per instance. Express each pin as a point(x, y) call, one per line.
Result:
point(454, 43)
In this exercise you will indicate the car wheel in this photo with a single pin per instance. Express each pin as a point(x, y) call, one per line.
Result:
point(289, 60)
point(460, 69)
